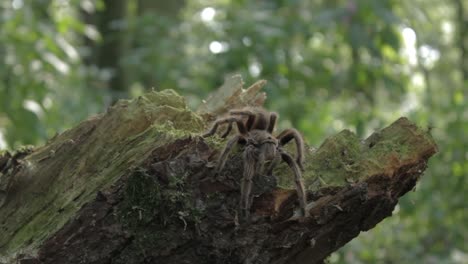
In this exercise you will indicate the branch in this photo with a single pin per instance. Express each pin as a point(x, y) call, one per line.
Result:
point(137, 185)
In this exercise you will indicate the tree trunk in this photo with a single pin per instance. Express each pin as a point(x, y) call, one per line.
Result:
point(461, 21)
point(136, 185)
point(107, 54)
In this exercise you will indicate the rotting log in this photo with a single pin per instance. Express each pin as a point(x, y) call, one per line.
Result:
point(136, 185)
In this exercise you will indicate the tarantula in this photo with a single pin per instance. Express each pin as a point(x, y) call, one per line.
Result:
point(255, 127)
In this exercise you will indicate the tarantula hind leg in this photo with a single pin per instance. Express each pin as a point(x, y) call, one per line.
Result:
point(301, 194)
point(225, 154)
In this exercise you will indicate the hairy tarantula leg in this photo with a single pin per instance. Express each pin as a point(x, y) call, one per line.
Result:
point(273, 164)
point(225, 153)
point(228, 130)
point(286, 136)
point(301, 194)
point(240, 125)
point(250, 167)
point(250, 114)
point(272, 123)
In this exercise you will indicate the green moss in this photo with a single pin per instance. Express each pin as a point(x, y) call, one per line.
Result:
point(109, 144)
point(23, 150)
point(166, 97)
point(215, 142)
point(148, 201)
point(384, 147)
point(39, 227)
point(335, 162)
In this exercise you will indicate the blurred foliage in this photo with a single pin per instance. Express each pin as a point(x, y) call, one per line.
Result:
point(331, 65)
point(42, 87)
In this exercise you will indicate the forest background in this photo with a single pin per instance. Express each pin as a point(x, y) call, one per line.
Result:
point(330, 65)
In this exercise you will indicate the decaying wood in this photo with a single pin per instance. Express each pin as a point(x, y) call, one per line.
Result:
point(232, 95)
point(137, 185)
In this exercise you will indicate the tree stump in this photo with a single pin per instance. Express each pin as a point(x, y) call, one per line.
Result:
point(137, 185)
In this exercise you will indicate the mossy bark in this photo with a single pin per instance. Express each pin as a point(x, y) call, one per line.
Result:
point(136, 185)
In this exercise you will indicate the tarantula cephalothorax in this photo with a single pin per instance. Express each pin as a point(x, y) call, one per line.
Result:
point(255, 127)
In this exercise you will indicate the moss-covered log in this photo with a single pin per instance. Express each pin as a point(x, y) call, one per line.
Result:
point(136, 185)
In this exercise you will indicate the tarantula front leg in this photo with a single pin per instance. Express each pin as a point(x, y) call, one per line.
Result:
point(226, 150)
point(289, 134)
point(228, 130)
point(273, 163)
point(229, 120)
point(246, 187)
point(301, 194)
point(253, 162)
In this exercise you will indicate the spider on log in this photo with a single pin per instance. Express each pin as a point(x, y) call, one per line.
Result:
point(255, 132)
